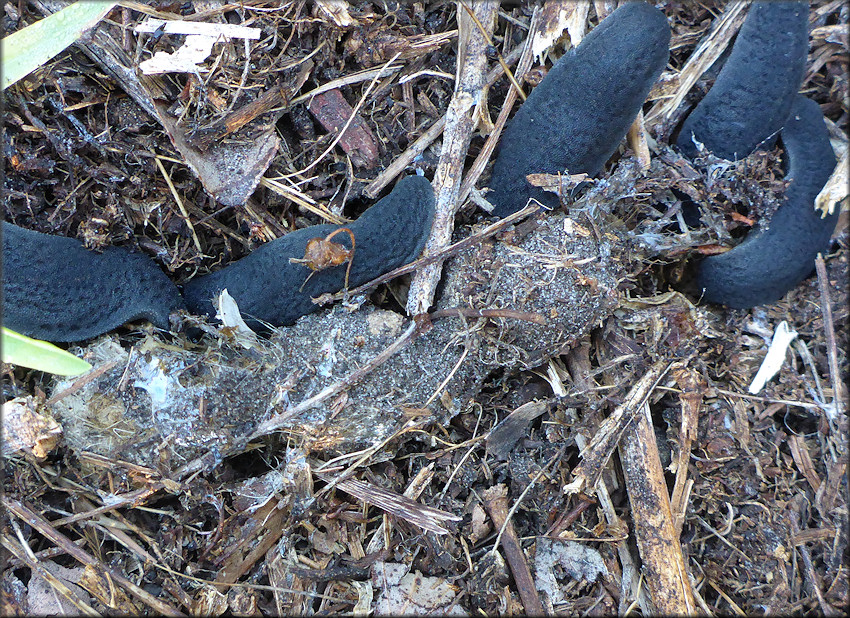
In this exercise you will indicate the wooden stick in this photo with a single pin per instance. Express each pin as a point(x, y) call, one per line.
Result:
point(654, 526)
point(496, 502)
point(460, 122)
point(522, 68)
point(838, 393)
point(426, 139)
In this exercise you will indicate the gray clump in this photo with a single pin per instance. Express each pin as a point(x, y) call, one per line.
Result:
point(576, 117)
point(267, 286)
point(754, 91)
point(146, 409)
point(56, 289)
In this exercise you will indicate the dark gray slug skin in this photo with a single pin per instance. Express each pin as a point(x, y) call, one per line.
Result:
point(577, 116)
point(752, 95)
point(768, 263)
point(56, 289)
point(266, 285)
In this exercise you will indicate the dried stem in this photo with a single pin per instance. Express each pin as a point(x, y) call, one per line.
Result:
point(460, 122)
point(496, 502)
point(523, 66)
point(46, 529)
point(829, 330)
point(426, 139)
point(469, 241)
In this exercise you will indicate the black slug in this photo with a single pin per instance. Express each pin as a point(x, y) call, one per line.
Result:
point(768, 263)
point(577, 116)
point(56, 289)
point(752, 96)
point(267, 286)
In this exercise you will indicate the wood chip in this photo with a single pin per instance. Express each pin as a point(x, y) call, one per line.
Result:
point(333, 112)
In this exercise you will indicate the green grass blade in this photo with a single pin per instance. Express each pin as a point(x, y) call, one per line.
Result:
point(26, 352)
point(27, 49)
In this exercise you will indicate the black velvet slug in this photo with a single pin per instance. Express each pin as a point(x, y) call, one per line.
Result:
point(768, 263)
point(270, 288)
point(56, 289)
point(577, 116)
point(754, 90)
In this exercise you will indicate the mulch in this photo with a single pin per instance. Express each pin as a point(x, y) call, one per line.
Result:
point(310, 124)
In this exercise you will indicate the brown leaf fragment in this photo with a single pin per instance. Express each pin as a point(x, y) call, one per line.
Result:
point(504, 436)
point(229, 172)
point(333, 112)
point(25, 430)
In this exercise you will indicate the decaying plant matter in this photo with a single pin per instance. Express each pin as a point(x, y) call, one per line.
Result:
point(547, 407)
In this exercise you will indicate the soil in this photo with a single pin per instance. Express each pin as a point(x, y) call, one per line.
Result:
point(136, 517)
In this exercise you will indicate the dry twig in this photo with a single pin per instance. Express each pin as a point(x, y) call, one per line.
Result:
point(496, 502)
point(460, 121)
point(838, 393)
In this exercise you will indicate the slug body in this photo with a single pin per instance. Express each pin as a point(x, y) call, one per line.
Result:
point(753, 93)
point(768, 263)
point(576, 117)
point(267, 286)
point(55, 289)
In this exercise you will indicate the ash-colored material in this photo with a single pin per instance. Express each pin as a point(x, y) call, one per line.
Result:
point(770, 262)
point(577, 116)
point(144, 409)
point(753, 94)
point(268, 287)
point(56, 289)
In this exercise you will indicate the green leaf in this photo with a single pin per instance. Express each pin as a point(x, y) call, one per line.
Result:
point(29, 48)
point(21, 350)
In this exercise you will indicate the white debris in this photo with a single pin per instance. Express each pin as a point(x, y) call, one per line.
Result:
point(775, 358)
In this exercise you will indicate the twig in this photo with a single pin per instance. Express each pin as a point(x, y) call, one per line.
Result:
point(487, 232)
point(637, 140)
point(413, 490)
point(829, 330)
point(460, 122)
point(523, 66)
point(418, 147)
point(527, 316)
point(787, 402)
point(304, 201)
point(693, 388)
point(402, 161)
point(706, 53)
point(654, 523)
point(400, 506)
point(37, 567)
point(81, 382)
point(631, 593)
point(496, 502)
point(607, 437)
point(516, 87)
point(809, 570)
point(348, 80)
point(186, 218)
point(278, 420)
point(132, 498)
